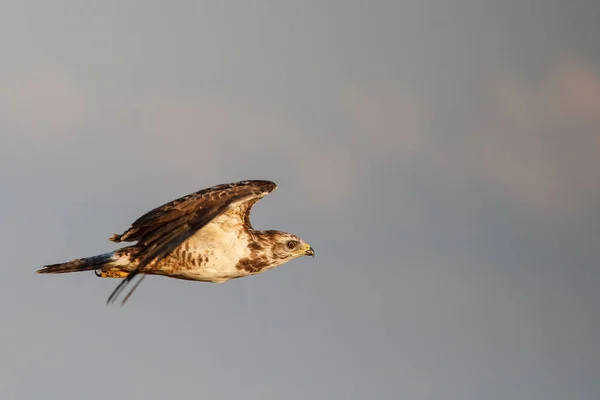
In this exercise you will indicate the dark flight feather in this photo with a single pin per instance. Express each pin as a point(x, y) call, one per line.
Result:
point(162, 229)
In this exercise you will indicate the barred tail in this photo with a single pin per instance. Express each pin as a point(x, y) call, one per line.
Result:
point(81, 264)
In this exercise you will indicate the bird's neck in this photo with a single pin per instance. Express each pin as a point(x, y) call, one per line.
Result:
point(262, 241)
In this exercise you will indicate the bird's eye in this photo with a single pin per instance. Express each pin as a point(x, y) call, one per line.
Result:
point(291, 244)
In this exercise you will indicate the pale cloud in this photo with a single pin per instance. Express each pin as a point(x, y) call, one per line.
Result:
point(173, 133)
point(380, 126)
point(576, 82)
point(540, 141)
point(215, 118)
point(179, 134)
point(330, 178)
point(212, 134)
point(42, 101)
point(389, 123)
point(534, 141)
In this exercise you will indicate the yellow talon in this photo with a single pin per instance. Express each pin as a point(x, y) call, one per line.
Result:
point(112, 273)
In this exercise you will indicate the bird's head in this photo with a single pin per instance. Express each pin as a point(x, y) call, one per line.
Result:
point(284, 246)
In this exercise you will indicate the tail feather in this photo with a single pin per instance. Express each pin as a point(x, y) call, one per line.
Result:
point(80, 264)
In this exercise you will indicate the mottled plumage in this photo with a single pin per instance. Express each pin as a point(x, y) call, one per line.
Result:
point(204, 236)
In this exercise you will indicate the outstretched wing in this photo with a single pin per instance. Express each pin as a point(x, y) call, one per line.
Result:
point(161, 230)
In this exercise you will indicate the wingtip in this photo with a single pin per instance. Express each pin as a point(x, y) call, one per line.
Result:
point(271, 186)
point(44, 270)
point(266, 185)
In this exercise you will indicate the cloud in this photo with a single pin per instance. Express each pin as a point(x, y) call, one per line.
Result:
point(540, 140)
point(532, 141)
point(388, 123)
point(226, 134)
point(330, 178)
point(42, 101)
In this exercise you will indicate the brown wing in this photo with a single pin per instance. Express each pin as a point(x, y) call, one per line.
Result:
point(196, 206)
point(161, 230)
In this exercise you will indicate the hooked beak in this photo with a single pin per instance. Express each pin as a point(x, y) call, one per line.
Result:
point(310, 252)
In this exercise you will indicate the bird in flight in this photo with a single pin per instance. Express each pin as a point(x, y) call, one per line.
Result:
point(204, 236)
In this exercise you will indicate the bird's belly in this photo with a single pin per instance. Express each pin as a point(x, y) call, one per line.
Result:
point(209, 256)
point(216, 272)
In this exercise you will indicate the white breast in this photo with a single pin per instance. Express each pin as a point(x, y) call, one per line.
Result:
point(219, 247)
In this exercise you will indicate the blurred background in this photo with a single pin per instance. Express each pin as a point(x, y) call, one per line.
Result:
point(441, 157)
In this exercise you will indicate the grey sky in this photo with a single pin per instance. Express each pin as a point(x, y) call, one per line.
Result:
point(441, 157)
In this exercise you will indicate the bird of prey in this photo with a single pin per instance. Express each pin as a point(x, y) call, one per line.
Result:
point(204, 236)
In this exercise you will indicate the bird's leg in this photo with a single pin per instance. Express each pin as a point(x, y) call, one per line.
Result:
point(111, 273)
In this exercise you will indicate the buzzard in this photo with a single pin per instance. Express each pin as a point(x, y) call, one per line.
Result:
point(204, 236)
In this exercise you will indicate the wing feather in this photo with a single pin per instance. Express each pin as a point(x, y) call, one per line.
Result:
point(162, 229)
